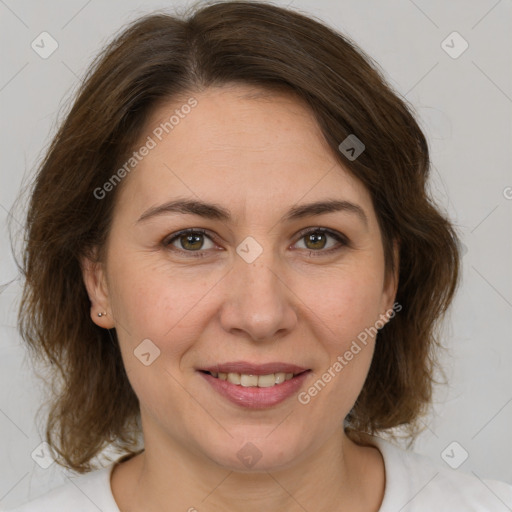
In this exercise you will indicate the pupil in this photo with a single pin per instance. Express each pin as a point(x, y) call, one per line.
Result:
point(190, 240)
point(317, 238)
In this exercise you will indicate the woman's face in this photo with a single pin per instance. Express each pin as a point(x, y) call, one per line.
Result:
point(260, 284)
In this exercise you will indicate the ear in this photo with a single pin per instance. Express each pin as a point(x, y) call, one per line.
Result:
point(391, 279)
point(94, 277)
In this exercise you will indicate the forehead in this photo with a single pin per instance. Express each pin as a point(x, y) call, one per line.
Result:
point(239, 145)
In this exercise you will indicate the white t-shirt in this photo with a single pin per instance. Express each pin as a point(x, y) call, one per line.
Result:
point(414, 483)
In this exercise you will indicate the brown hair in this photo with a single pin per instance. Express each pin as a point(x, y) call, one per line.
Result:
point(158, 58)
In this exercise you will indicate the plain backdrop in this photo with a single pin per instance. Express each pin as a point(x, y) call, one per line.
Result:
point(463, 103)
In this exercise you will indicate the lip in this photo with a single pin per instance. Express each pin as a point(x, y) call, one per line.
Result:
point(254, 369)
point(255, 397)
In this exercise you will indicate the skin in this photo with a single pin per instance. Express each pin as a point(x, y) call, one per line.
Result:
point(295, 303)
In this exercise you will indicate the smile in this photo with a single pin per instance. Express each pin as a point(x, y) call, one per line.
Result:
point(255, 387)
point(252, 381)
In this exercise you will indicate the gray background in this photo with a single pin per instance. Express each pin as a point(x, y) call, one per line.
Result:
point(464, 106)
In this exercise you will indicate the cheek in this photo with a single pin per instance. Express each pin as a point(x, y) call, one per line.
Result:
point(157, 320)
point(345, 313)
point(150, 302)
point(346, 301)
point(344, 307)
point(149, 297)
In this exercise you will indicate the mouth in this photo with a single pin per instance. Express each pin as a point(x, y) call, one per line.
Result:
point(248, 380)
point(255, 386)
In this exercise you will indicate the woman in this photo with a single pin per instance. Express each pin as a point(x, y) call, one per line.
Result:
point(231, 257)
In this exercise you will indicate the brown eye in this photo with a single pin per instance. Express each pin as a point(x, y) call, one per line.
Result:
point(322, 240)
point(315, 240)
point(191, 240)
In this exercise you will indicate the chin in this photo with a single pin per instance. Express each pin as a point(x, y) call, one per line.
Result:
point(258, 450)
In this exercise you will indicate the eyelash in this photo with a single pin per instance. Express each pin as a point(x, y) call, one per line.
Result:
point(341, 239)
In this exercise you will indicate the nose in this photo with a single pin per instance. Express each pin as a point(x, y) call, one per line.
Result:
point(259, 304)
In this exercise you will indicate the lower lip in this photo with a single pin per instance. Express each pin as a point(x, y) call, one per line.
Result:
point(255, 397)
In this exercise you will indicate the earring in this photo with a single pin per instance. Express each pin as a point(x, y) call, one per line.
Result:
point(102, 314)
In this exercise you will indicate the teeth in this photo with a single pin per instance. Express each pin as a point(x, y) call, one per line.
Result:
point(265, 381)
point(248, 380)
point(280, 377)
point(234, 378)
point(251, 381)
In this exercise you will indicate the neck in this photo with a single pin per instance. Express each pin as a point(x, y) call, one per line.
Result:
point(339, 475)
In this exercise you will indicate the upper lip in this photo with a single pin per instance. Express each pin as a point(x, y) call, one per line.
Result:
point(254, 369)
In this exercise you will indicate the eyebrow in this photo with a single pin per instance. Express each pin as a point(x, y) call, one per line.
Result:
point(217, 212)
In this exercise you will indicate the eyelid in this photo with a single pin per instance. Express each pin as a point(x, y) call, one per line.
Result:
point(173, 236)
point(314, 229)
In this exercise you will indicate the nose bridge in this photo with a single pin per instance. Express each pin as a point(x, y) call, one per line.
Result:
point(258, 300)
point(261, 280)
point(260, 284)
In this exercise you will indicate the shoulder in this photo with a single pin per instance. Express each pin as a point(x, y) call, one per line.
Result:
point(86, 493)
point(416, 483)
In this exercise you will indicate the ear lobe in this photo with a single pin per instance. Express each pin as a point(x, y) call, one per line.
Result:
point(96, 285)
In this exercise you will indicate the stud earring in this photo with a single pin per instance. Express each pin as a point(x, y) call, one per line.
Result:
point(102, 314)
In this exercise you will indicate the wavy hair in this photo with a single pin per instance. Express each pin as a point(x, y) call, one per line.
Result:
point(160, 57)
